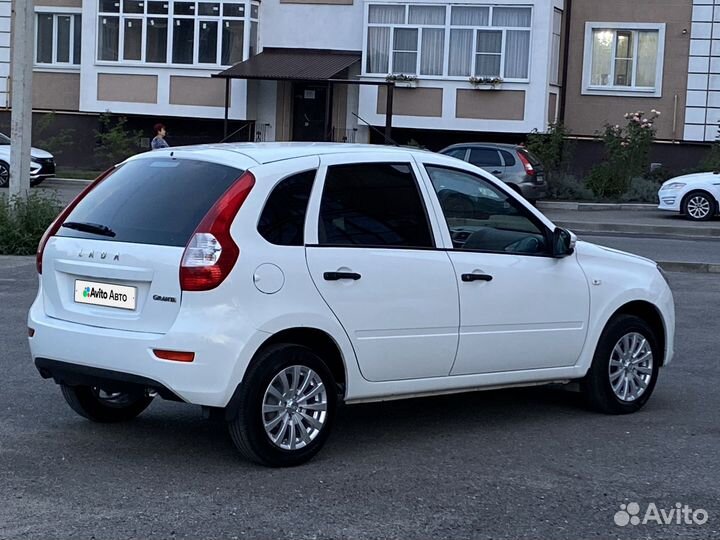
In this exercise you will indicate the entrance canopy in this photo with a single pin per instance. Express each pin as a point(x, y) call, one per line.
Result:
point(293, 65)
point(303, 65)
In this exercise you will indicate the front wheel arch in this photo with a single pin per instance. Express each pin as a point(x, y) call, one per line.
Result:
point(650, 314)
point(703, 192)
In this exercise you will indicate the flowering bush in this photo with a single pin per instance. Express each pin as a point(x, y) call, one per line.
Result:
point(492, 81)
point(627, 154)
point(400, 77)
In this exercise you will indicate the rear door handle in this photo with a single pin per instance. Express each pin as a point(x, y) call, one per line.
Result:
point(476, 277)
point(336, 276)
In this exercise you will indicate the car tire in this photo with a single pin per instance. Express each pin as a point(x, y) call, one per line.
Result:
point(4, 174)
point(625, 340)
point(272, 415)
point(90, 403)
point(699, 206)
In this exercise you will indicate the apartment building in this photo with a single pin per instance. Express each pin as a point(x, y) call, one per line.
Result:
point(281, 70)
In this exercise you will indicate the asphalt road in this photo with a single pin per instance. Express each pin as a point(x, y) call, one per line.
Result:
point(662, 249)
point(504, 464)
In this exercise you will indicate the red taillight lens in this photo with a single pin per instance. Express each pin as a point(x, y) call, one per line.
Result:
point(211, 252)
point(529, 169)
point(176, 356)
point(55, 225)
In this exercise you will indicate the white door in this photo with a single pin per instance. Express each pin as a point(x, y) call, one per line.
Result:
point(375, 264)
point(520, 308)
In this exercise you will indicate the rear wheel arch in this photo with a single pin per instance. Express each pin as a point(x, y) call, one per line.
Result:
point(318, 341)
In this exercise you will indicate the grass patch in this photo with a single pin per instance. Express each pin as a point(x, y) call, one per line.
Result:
point(24, 220)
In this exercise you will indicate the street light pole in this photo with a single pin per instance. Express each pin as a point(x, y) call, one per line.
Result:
point(21, 117)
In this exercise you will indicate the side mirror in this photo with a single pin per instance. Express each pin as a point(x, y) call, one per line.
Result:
point(563, 243)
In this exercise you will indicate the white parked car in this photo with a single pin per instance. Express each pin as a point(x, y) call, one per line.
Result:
point(42, 164)
point(694, 195)
point(273, 281)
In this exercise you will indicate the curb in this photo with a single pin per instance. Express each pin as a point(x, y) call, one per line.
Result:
point(697, 268)
point(591, 206)
point(637, 229)
point(65, 181)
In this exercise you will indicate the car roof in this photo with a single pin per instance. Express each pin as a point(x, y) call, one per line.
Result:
point(268, 152)
point(504, 146)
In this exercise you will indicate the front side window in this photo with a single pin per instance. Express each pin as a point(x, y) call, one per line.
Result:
point(282, 221)
point(176, 32)
point(373, 205)
point(623, 59)
point(481, 217)
point(484, 41)
point(57, 39)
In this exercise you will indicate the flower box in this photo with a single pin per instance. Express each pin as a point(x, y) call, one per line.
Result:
point(405, 84)
point(486, 86)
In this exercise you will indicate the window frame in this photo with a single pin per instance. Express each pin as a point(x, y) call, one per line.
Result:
point(447, 27)
point(613, 90)
point(510, 194)
point(313, 216)
point(54, 65)
point(250, 17)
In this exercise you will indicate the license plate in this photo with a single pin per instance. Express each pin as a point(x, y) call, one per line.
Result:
point(105, 294)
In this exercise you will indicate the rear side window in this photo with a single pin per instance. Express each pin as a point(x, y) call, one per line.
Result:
point(373, 204)
point(283, 219)
point(153, 201)
point(458, 153)
point(509, 158)
point(485, 157)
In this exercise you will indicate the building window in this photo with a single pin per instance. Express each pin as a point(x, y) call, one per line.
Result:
point(57, 41)
point(556, 38)
point(484, 41)
point(623, 59)
point(176, 32)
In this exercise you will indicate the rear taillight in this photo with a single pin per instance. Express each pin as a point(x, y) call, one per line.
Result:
point(529, 169)
point(211, 252)
point(55, 225)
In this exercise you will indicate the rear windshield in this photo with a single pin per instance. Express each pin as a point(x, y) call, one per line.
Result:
point(532, 158)
point(152, 201)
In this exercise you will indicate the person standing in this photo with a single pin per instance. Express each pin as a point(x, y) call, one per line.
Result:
point(159, 139)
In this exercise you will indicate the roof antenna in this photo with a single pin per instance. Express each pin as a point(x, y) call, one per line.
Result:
point(376, 130)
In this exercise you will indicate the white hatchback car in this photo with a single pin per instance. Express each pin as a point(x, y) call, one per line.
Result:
point(273, 281)
point(694, 195)
point(42, 164)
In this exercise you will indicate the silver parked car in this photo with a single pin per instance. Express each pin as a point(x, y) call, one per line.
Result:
point(515, 165)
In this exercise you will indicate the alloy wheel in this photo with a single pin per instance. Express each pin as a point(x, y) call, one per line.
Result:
point(631, 366)
point(4, 175)
point(294, 408)
point(698, 207)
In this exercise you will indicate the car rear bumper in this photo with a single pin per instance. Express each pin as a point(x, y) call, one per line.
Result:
point(532, 191)
point(69, 351)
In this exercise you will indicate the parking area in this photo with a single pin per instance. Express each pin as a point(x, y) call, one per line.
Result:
point(527, 463)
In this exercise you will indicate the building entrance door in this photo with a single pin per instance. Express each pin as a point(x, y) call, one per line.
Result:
point(310, 109)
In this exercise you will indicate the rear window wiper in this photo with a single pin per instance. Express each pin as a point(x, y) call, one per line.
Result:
point(92, 228)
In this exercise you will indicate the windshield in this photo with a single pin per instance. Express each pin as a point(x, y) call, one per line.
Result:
point(4, 139)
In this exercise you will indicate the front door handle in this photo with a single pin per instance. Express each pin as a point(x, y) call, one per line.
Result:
point(336, 276)
point(476, 277)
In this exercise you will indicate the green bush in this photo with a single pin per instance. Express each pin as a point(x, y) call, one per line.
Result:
point(55, 144)
point(567, 187)
point(553, 148)
point(115, 141)
point(24, 220)
point(641, 190)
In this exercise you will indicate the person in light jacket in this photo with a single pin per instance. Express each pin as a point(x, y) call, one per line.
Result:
point(159, 139)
